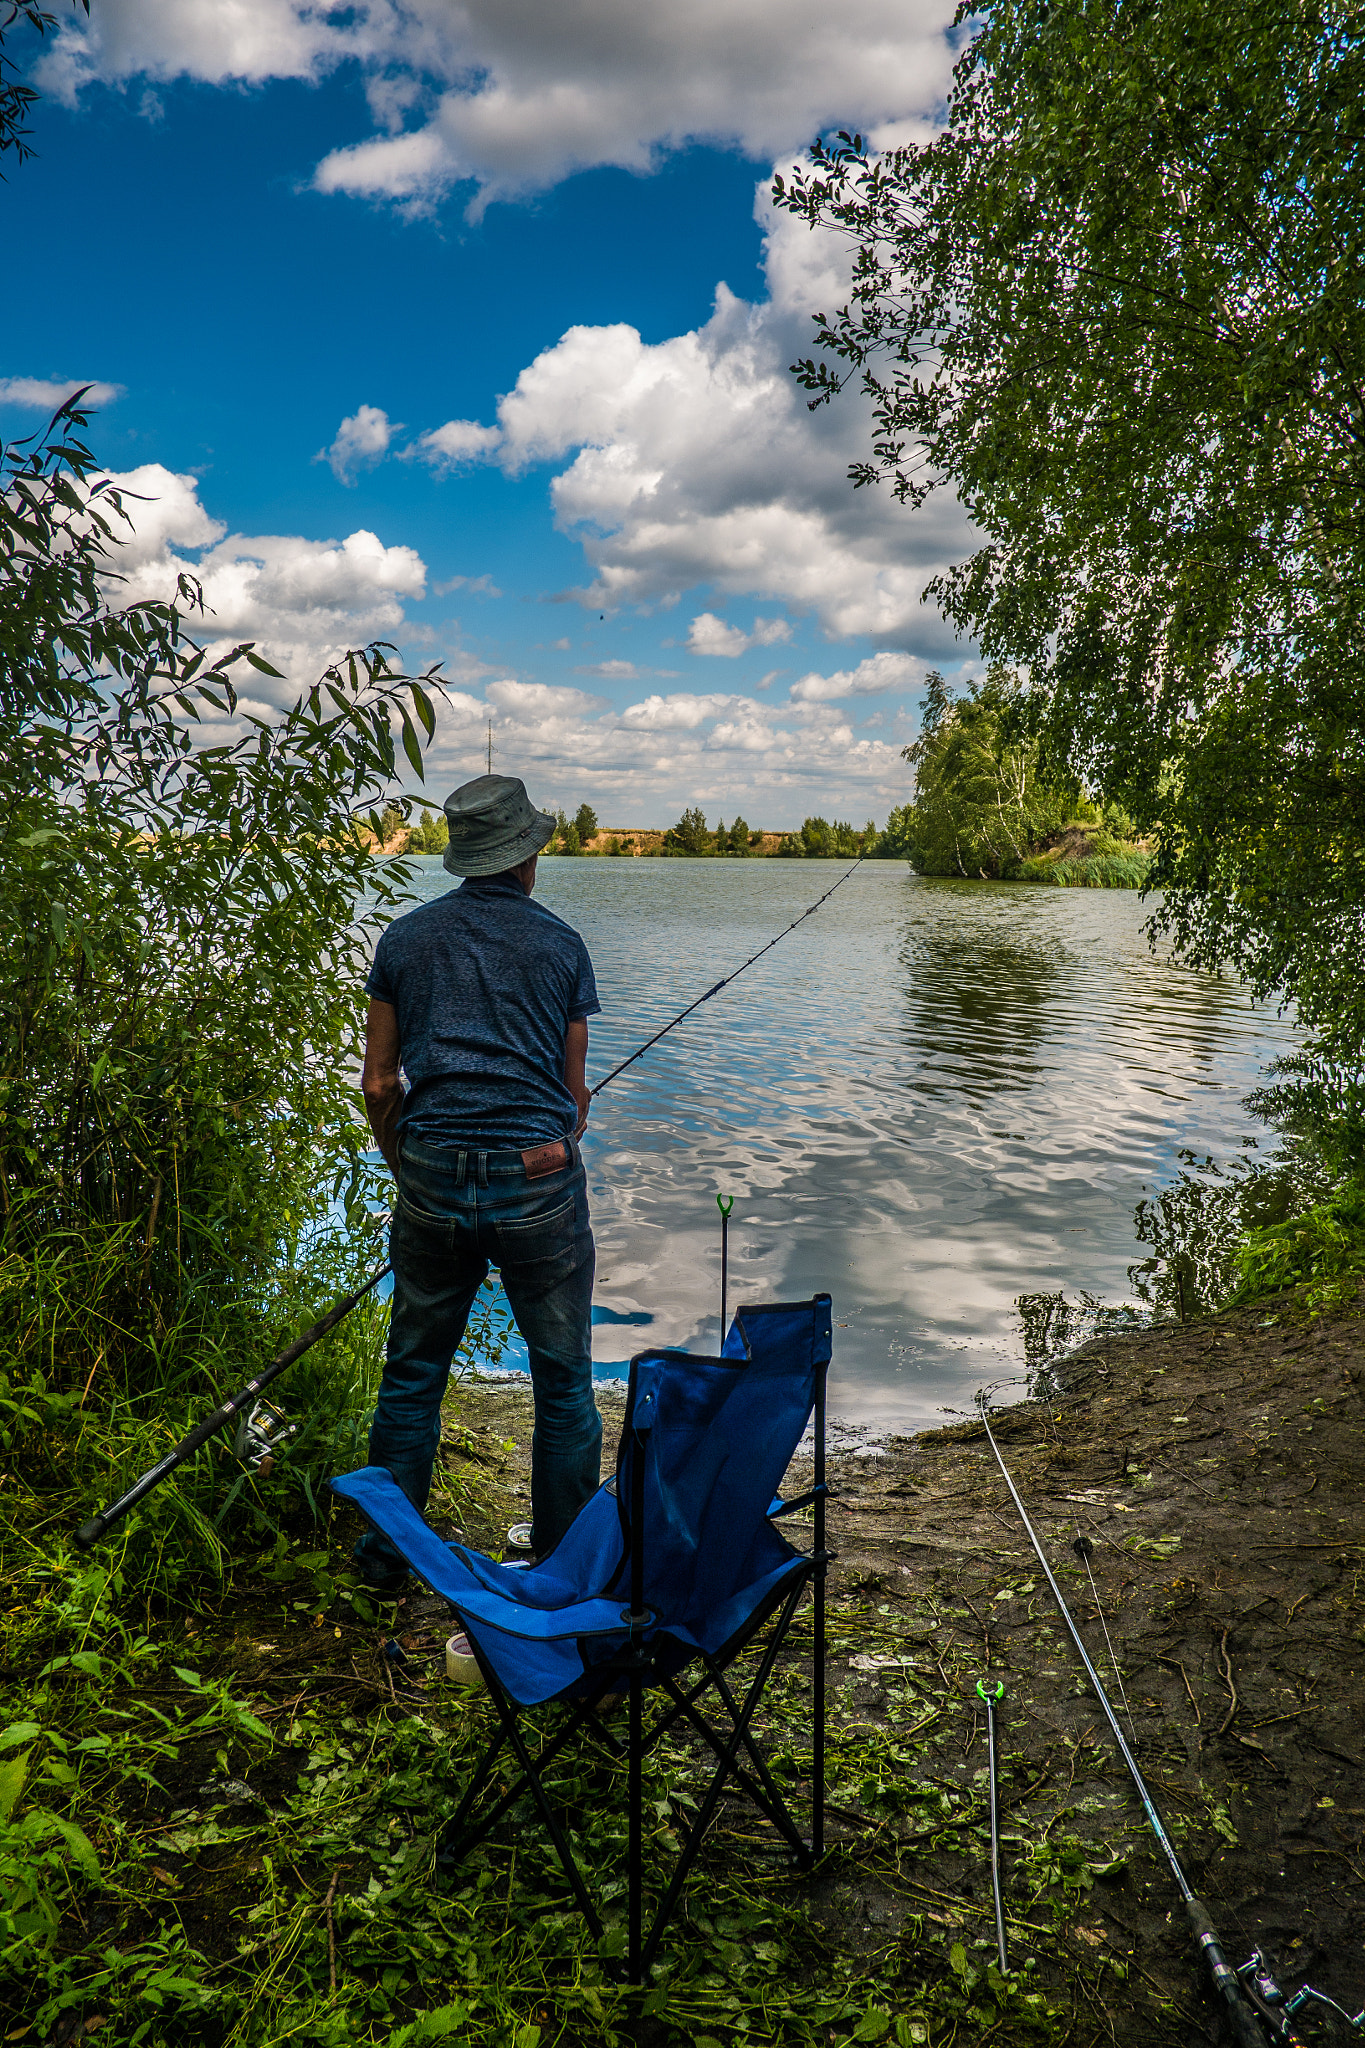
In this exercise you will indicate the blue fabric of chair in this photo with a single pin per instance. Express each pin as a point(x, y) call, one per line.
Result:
point(715, 1436)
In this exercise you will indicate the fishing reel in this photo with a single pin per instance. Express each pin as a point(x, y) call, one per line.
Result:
point(259, 1435)
point(1277, 2009)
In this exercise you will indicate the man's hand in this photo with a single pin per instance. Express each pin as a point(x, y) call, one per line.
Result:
point(379, 1080)
point(575, 1069)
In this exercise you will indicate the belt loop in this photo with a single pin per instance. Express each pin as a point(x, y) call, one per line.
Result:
point(482, 1168)
point(461, 1159)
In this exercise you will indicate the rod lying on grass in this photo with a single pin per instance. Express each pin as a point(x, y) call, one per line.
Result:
point(237, 1405)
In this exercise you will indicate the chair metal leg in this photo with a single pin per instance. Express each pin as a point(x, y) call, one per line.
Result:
point(452, 1847)
point(724, 1770)
point(565, 1853)
point(581, 1717)
point(634, 1857)
point(772, 1809)
point(817, 1790)
point(774, 1805)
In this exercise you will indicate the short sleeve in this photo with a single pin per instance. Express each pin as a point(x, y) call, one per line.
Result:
point(378, 982)
point(585, 1003)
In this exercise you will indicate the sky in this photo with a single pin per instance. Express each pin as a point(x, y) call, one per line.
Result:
point(467, 327)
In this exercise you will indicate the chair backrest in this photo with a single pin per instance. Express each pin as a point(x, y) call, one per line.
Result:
point(704, 1445)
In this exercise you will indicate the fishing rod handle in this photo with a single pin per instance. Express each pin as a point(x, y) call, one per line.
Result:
point(89, 1533)
point(1245, 2025)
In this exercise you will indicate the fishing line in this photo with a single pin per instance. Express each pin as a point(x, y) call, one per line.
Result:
point(1083, 1548)
point(726, 980)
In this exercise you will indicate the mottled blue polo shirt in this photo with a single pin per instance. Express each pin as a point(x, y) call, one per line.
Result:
point(485, 981)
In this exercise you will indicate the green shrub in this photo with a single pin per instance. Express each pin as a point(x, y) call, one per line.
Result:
point(1322, 1250)
point(1118, 870)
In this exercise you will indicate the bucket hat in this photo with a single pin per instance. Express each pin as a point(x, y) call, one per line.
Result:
point(493, 826)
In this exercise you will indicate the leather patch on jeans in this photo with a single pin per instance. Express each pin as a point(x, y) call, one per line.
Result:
point(543, 1159)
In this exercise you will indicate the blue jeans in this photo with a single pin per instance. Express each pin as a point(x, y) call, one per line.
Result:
point(456, 1212)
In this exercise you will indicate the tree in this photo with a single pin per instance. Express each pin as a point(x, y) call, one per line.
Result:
point(737, 839)
point(15, 97)
point(980, 800)
point(585, 823)
point(820, 840)
point(184, 887)
point(431, 834)
point(689, 835)
point(895, 842)
point(1118, 305)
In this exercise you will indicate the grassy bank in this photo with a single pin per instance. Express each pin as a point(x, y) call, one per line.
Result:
point(1085, 855)
point(221, 1784)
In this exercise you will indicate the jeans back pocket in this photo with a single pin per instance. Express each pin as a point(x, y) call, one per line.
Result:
point(533, 1240)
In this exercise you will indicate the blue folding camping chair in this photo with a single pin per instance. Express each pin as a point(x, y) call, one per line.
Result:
point(673, 1563)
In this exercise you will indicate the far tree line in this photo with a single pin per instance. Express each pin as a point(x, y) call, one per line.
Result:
point(690, 838)
point(989, 802)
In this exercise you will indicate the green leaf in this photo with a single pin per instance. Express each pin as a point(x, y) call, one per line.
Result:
point(441, 2020)
point(425, 710)
point(257, 662)
point(82, 1854)
point(874, 2026)
point(18, 1731)
point(412, 749)
point(12, 1775)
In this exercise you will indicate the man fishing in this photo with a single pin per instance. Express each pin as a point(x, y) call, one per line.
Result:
point(480, 1001)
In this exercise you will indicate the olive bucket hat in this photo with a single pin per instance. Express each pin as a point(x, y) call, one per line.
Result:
point(493, 826)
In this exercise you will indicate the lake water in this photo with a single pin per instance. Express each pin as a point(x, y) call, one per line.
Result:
point(931, 1098)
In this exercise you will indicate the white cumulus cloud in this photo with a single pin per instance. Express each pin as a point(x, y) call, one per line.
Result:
point(452, 446)
point(885, 671)
point(645, 761)
point(45, 394)
point(514, 95)
point(303, 602)
point(709, 635)
point(361, 441)
point(694, 461)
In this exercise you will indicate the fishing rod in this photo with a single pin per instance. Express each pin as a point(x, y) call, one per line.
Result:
point(1245, 2025)
point(238, 1405)
point(992, 1700)
point(725, 980)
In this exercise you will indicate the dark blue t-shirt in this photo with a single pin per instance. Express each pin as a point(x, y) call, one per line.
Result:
point(486, 982)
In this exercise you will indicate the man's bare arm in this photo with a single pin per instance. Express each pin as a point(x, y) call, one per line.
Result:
point(575, 1068)
point(379, 1081)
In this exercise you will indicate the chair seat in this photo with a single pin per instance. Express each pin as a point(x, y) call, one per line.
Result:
point(545, 1626)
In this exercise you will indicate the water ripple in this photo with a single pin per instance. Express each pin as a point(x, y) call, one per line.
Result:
point(931, 1098)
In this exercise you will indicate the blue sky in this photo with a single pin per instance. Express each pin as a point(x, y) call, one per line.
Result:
point(467, 327)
